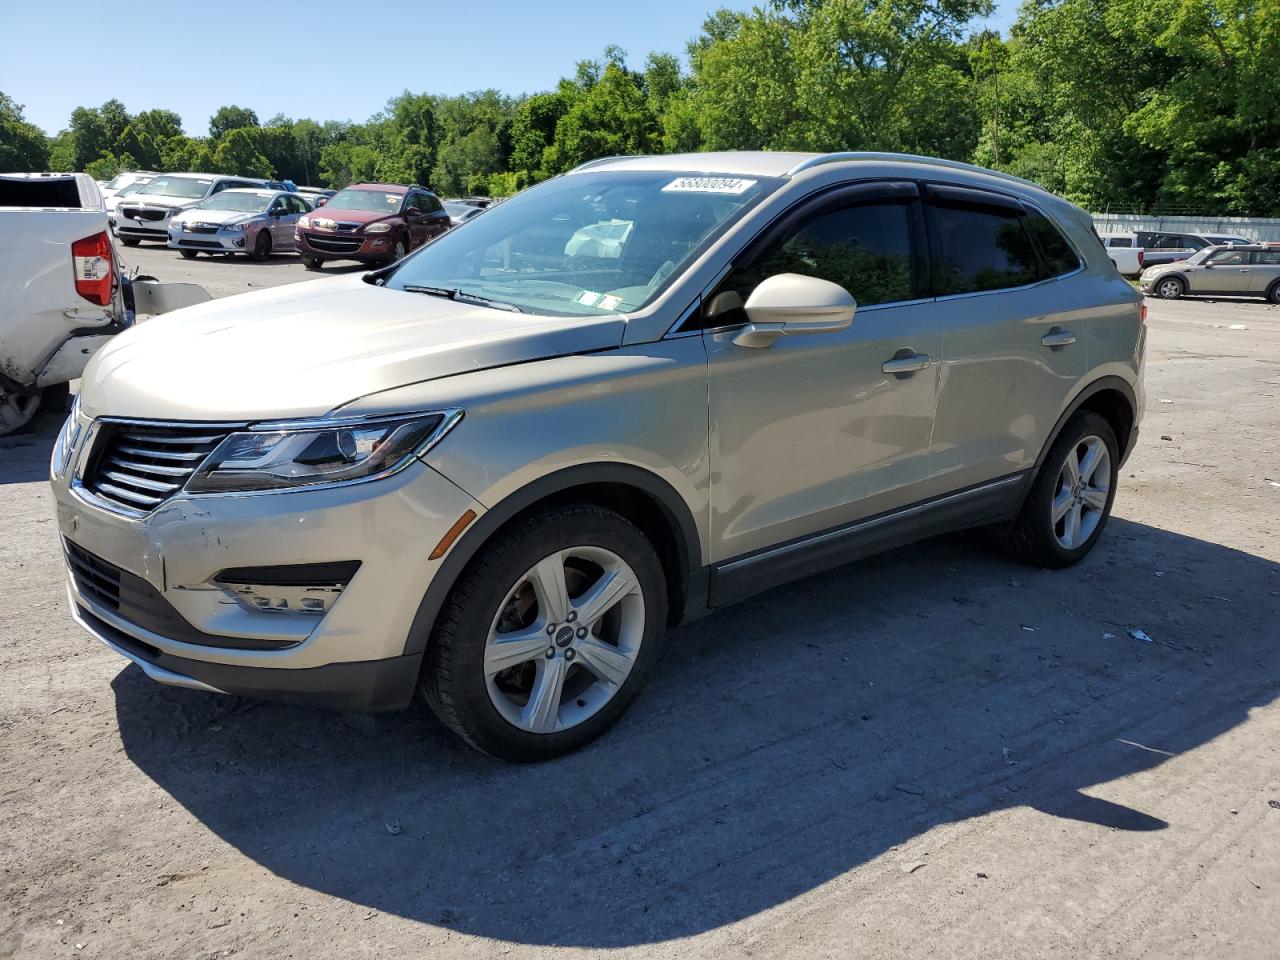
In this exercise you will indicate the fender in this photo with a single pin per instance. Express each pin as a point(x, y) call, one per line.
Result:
point(1097, 386)
point(480, 532)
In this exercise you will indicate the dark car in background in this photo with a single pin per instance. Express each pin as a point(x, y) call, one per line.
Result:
point(374, 223)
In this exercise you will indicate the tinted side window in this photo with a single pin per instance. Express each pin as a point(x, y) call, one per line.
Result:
point(983, 248)
point(1119, 242)
point(1195, 243)
point(1229, 257)
point(1269, 258)
point(866, 249)
point(1057, 254)
point(430, 203)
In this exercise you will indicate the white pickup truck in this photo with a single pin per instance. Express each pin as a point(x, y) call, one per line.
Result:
point(1125, 253)
point(62, 291)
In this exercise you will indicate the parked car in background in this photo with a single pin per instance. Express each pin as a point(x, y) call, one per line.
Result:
point(120, 181)
point(1125, 253)
point(113, 202)
point(1237, 270)
point(1164, 247)
point(63, 293)
point(497, 474)
point(254, 222)
point(315, 193)
point(371, 222)
point(146, 214)
point(460, 212)
point(482, 202)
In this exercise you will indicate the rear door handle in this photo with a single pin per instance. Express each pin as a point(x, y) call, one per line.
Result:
point(908, 364)
point(1057, 337)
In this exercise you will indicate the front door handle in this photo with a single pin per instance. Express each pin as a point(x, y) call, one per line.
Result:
point(1057, 337)
point(905, 365)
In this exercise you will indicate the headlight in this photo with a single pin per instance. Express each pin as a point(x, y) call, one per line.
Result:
point(304, 221)
point(276, 456)
point(176, 225)
point(65, 445)
point(235, 227)
point(378, 228)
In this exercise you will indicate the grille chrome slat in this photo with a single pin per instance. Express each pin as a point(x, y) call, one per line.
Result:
point(144, 482)
point(135, 451)
point(138, 466)
point(160, 470)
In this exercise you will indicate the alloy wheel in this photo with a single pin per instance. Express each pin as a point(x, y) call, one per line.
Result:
point(1083, 488)
point(565, 639)
point(1169, 289)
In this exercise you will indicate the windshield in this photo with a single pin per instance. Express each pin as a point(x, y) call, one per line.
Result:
point(379, 201)
point(585, 245)
point(188, 188)
point(244, 202)
point(131, 188)
point(456, 209)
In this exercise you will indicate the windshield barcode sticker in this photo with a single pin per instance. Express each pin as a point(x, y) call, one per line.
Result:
point(730, 185)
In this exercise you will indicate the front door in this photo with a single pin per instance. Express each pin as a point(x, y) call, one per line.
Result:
point(1227, 271)
point(811, 432)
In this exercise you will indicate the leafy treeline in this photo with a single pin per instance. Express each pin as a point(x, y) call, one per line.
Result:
point(1143, 104)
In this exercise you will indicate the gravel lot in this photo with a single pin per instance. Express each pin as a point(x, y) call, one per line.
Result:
point(933, 753)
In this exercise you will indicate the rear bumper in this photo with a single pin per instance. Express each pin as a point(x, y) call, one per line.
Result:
point(364, 686)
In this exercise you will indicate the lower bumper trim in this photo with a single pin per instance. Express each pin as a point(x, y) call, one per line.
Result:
point(365, 686)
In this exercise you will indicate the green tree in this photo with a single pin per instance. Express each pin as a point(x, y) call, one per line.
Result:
point(237, 153)
point(231, 118)
point(23, 145)
point(610, 118)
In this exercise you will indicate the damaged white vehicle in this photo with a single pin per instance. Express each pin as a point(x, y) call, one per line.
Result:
point(63, 293)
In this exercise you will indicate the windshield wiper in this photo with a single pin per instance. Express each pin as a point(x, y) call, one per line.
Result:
point(461, 296)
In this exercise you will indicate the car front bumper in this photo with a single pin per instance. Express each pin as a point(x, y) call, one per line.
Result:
point(132, 228)
point(334, 245)
point(219, 241)
point(170, 615)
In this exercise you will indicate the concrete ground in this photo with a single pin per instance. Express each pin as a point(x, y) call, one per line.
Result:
point(934, 753)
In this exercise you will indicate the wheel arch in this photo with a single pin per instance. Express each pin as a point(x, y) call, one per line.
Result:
point(1112, 398)
point(642, 497)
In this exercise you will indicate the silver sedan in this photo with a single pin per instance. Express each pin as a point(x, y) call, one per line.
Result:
point(254, 222)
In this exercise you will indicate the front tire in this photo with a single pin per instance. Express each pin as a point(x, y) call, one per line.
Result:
point(130, 241)
point(313, 263)
point(261, 246)
point(189, 254)
point(548, 635)
point(1170, 288)
point(1069, 503)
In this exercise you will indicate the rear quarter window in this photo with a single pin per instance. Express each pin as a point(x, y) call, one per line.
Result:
point(1058, 255)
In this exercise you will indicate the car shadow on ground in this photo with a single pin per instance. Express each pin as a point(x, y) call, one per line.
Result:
point(786, 741)
point(25, 456)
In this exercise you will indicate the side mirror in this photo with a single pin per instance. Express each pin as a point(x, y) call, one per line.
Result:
point(321, 201)
point(789, 304)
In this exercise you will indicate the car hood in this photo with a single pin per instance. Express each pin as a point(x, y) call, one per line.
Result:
point(304, 349)
point(218, 216)
point(349, 216)
point(159, 200)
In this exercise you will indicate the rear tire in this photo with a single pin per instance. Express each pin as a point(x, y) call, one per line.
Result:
point(497, 610)
point(21, 411)
point(189, 254)
point(1273, 293)
point(1042, 532)
point(313, 263)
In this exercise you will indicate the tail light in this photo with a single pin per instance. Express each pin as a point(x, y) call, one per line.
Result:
point(1141, 259)
point(94, 268)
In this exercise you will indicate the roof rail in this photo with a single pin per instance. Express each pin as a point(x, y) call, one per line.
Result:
point(908, 157)
point(598, 160)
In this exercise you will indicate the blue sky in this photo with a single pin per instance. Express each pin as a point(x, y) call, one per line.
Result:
point(58, 56)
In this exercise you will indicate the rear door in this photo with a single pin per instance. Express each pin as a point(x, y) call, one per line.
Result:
point(437, 216)
point(811, 432)
point(1012, 334)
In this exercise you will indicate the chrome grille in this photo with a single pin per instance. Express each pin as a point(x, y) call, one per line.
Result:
point(145, 213)
point(138, 466)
